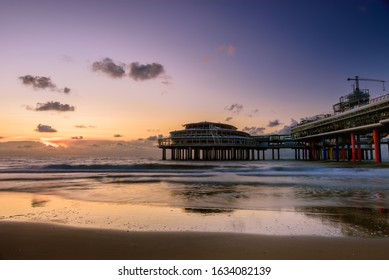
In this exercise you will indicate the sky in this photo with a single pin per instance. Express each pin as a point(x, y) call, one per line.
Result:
point(110, 77)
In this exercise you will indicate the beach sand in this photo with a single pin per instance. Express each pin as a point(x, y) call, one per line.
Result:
point(26, 240)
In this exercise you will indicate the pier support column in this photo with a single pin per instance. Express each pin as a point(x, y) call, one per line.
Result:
point(163, 153)
point(359, 148)
point(353, 150)
point(324, 151)
point(190, 153)
point(377, 145)
point(337, 148)
point(313, 152)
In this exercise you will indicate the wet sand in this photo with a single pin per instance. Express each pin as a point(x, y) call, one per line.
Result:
point(26, 240)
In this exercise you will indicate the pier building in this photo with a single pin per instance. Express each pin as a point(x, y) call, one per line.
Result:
point(210, 141)
point(355, 129)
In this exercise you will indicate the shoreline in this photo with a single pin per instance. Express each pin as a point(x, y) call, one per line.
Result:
point(45, 241)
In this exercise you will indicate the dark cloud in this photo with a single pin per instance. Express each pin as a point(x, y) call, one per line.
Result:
point(52, 106)
point(77, 137)
point(228, 119)
point(42, 83)
point(45, 128)
point(118, 135)
point(287, 128)
point(38, 82)
point(234, 108)
point(274, 123)
point(254, 130)
point(154, 137)
point(108, 67)
point(146, 71)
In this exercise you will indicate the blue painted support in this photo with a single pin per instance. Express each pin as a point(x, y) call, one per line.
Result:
point(324, 149)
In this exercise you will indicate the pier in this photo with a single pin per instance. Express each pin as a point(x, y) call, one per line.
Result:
point(353, 132)
point(218, 141)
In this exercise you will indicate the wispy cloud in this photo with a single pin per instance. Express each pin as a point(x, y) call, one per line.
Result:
point(234, 108)
point(45, 128)
point(228, 50)
point(254, 130)
point(107, 66)
point(253, 112)
point(229, 119)
point(118, 135)
point(145, 71)
point(52, 106)
point(77, 137)
point(84, 126)
point(38, 82)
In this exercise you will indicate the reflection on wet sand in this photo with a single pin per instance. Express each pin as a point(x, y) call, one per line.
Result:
point(353, 222)
point(207, 211)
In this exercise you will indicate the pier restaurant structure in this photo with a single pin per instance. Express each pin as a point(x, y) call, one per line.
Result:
point(210, 141)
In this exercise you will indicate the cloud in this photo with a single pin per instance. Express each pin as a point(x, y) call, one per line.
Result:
point(145, 71)
point(234, 108)
point(253, 112)
point(45, 128)
point(66, 58)
point(52, 106)
point(228, 119)
point(110, 68)
point(118, 135)
point(84, 126)
point(254, 130)
point(228, 50)
point(274, 123)
point(42, 83)
point(287, 128)
point(154, 137)
point(77, 137)
point(37, 82)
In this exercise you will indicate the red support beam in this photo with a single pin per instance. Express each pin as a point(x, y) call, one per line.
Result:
point(353, 150)
point(377, 145)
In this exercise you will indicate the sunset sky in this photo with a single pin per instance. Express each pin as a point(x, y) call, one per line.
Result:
point(114, 75)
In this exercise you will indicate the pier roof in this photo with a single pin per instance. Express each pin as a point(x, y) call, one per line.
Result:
point(209, 125)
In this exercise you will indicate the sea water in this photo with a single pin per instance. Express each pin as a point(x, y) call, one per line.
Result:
point(262, 197)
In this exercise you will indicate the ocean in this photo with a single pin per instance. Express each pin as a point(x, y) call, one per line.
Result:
point(272, 197)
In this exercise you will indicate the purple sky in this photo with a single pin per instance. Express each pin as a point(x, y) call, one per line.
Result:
point(143, 68)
